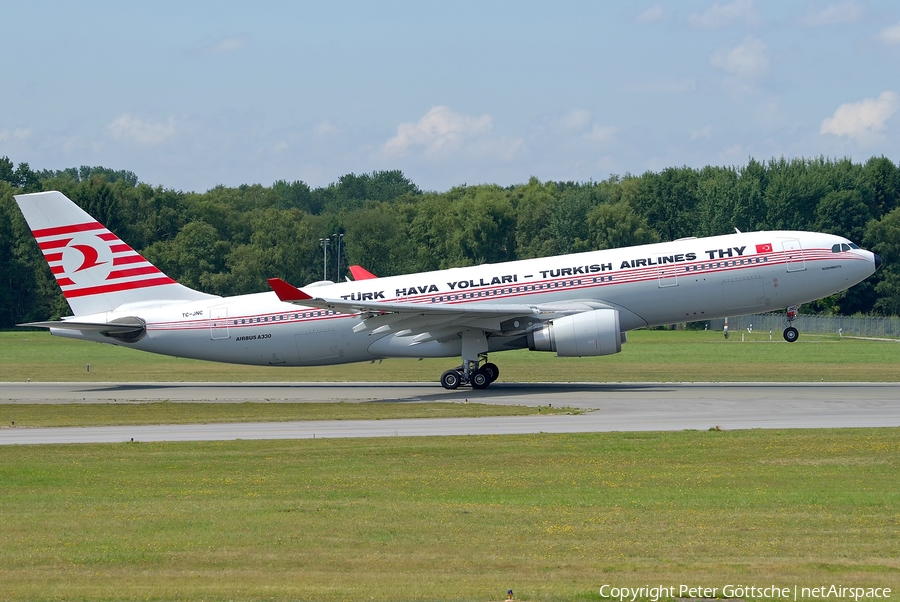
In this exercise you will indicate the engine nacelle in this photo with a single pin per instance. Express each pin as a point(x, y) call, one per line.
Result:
point(588, 333)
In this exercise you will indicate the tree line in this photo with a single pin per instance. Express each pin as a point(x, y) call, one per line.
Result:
point(227, 241)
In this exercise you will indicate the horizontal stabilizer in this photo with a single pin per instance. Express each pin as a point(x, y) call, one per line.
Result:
point(128, 329)
point(123, 326)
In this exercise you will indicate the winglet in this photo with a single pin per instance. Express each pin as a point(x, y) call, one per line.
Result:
point(361, 273)
point(287, 292)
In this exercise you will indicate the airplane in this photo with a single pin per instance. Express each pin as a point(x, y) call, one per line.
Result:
point(574, 305)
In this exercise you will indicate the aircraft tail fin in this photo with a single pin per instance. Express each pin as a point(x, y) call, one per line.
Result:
point(96, 271)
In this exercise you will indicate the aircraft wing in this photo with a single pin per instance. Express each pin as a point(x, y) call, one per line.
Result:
point(361, 273)
point(428, 321)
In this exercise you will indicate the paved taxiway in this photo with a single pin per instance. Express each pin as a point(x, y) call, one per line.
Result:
point(616, 407)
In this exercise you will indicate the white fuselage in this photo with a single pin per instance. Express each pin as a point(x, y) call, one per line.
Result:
point(684, 280)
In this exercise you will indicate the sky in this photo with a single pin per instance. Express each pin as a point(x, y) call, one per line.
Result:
point(190, 95)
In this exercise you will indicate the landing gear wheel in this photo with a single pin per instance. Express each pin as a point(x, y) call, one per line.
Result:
point(492, 370)
point(480, 379)
point(450, 379)
point(791, 334)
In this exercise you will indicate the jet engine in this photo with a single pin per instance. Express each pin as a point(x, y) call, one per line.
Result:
point(588, 333)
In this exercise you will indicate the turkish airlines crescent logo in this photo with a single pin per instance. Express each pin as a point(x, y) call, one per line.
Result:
point(87, 260)
point(90, 257)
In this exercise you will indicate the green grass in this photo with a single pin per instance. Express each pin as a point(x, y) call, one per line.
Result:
point(550, 516)
point(92, 414)
point(654, 356)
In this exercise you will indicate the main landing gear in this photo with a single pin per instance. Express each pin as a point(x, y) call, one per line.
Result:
point(475, 369)
point(790, 333)
point(471, 374)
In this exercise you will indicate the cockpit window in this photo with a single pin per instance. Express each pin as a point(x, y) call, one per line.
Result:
point(843, 247)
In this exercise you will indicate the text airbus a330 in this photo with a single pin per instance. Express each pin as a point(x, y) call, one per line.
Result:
point(574, 305)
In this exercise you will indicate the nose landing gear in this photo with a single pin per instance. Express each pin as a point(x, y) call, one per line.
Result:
point(790, 333)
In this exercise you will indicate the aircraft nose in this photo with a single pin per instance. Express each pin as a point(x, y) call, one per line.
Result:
point(877, 261)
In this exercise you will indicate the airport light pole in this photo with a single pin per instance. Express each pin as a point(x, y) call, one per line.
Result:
point(324, 242)
point(337, 272)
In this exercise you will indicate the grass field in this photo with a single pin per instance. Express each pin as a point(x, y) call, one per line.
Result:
point(464, 518)
point(92, 414)
point(649, 356)
point(552, 517)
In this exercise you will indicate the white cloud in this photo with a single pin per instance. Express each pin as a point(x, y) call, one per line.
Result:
point(844, 12)
point(17, 134)
point(576, 125)
point(127, 127)
point(326, 128)
point(652, 14)
point(225, 45)
point(440, 131)
point(863, 119)
point(704, 132)
point(732, 152)
point(890, 35)
point(601, 133)
point(722, 15)
point(746, 61)
point(577, 119)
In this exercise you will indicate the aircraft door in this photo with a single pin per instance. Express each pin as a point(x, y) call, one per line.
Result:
point(218, 323)
point(793, 254)
point(667, 275)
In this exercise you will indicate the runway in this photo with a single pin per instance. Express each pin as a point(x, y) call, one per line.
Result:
point(614, 407)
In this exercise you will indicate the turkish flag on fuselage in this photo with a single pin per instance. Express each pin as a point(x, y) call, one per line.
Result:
point(766, 248)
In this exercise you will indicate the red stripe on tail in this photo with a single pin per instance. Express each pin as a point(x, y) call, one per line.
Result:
point(43, 232)
point(128, 259)
point(121, 286)
point(149, 269)
point(54, 244)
